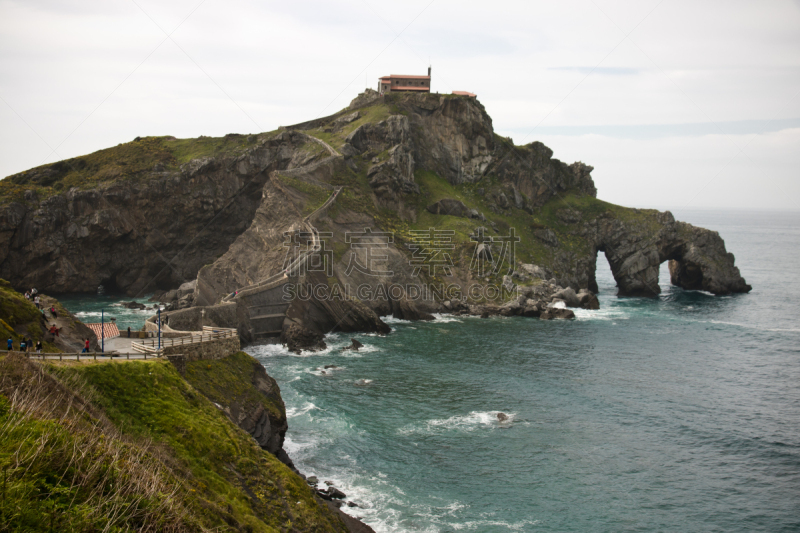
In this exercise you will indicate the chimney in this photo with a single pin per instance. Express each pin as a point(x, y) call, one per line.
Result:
point(429, 72)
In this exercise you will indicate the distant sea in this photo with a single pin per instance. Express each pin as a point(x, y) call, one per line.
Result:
point(680, 413)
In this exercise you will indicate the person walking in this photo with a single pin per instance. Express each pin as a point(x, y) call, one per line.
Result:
point(10, 344)
point(53, 311)
point(39, 347)
point(86, 346)
point(129, 332)
point(22, 346)
point(37, 302)
point(29, 344)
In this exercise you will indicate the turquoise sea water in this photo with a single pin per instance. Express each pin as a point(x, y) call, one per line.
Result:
point(680, 413)
point(91, 308)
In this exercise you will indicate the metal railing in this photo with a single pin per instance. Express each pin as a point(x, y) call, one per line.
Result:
point(208, 334)
point(86, 356)
point(294, 265)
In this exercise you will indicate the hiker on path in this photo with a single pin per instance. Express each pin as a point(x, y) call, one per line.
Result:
point(10, 344)
point(29, 344)
point(53, 311)
point(34, 291)
point(22, 346)
point(129, 332)
point(36, 301)
point(54, 330)
point(27, 295)
point(39, 347)
point(86, 346)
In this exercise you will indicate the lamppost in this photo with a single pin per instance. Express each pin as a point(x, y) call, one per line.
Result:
point(159, 328)
point(102, 331)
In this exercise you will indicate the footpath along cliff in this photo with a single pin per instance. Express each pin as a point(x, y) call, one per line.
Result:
point(198, 219)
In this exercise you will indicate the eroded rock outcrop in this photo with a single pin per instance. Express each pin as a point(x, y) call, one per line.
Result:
point(636, 248)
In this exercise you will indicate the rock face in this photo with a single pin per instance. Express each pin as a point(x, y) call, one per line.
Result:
point(138, 236)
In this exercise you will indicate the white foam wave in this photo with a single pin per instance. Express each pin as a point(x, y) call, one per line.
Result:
point(393, 320)
point(752, 326)
point(601, 314)
point(444, 319)
point(479, 525)
point(292, 412)
point(471, 422)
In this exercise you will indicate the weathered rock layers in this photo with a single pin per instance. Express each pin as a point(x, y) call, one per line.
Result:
point(138, 236)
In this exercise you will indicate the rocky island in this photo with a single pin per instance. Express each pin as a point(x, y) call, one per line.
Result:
point(235, 231)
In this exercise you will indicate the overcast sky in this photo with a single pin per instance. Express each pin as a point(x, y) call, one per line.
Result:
point(677, 104)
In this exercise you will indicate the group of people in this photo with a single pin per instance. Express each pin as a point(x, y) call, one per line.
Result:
point(33, 294)
point(25, 345)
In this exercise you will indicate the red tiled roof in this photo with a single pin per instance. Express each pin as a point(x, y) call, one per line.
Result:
point(109, 328)
point(465, 93)
point(409, 88)
point(408, 76)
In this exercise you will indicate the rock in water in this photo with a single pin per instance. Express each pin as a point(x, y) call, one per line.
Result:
point(354, 346)
point(297, 338)
point(556, 312)
point(502, 417)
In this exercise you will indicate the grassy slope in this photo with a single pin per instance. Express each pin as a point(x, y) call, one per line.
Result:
point(222, 480)
point(19, 317)
point(130, 161)
point(230, 380)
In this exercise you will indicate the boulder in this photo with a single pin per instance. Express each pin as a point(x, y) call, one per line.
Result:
point(354, 346)
point(297, 338)
point(568, 296)
point(450, 206)
point(556, 312)
point(533, 271)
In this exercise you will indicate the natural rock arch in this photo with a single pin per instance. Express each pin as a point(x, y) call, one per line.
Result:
point(635, 249)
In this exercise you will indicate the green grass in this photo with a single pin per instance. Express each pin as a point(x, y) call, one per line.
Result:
point(315, 195)
point(231, 483)
point(19, 318)
point(230, 380)
point(372, 114)
point(131, 161)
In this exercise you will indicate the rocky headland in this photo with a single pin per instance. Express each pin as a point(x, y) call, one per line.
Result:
point(228, 231)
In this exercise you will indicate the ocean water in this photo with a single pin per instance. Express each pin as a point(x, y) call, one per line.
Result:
point(680, 413)
point(90, 308)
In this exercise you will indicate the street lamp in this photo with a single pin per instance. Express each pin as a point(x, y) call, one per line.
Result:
point(159, 328)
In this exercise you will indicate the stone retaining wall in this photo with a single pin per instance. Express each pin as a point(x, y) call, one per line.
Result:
point(208, 350)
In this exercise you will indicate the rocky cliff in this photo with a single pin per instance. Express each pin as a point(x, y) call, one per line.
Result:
point(228, 214)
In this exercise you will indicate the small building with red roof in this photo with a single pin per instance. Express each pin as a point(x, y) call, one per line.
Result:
point(405, 83)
